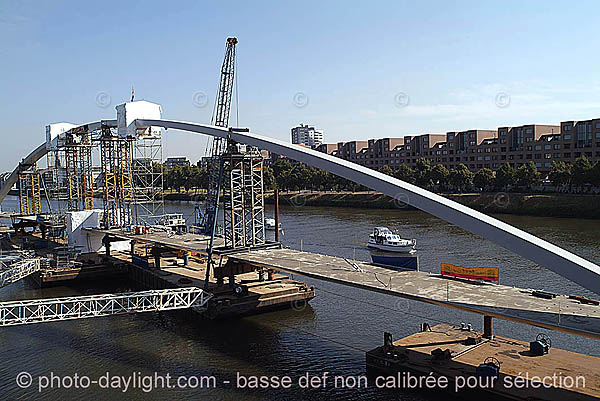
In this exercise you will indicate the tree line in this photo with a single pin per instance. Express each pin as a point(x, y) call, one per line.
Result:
point(579, 176)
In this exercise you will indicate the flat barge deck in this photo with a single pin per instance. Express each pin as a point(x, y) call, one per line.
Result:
point(557, 375)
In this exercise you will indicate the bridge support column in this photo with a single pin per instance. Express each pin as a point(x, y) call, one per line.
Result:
point(106, 242)
point(488, 331)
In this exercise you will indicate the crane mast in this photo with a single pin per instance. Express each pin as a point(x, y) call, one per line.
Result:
point(224, 94)
point(220, 119)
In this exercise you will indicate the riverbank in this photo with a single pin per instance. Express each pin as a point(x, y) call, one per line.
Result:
point(542, 205)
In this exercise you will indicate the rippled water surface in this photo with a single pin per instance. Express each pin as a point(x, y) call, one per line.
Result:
point(331, 334)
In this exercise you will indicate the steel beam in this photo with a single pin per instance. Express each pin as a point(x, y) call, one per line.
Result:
point(550, 256)
point(68, 308)
point(19, 270)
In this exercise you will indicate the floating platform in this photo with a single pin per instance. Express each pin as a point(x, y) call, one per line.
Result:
point(260, 292)
point(509, 303)
point(568, 375)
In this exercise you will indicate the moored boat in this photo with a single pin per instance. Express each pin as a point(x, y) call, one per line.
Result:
point(384, 239)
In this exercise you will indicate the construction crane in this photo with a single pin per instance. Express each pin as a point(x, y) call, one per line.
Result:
point(220, 119)
point(215, 166)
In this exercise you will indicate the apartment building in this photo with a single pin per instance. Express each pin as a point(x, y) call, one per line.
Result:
point(479, 149)
point(308, 136)
point(176, 161)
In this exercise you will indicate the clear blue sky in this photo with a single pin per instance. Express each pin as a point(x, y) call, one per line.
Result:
point(350, 59)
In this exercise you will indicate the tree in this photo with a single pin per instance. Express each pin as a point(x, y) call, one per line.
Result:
point(405, 173)
point(422, 170)
point(560, 174)
point(268, 178)
point(527, 175)
point(386, 170)
point(484, 179)
point(595, 174)
point(581, 171)
point(461, 177)
point(505, 176)
point(439, 175)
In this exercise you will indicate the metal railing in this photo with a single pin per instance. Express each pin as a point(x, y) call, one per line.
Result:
point(18, 270)
point(67, 308)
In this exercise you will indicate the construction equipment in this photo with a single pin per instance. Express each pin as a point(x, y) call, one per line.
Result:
point(220, 119)
point(541, 345)
point(489, 368)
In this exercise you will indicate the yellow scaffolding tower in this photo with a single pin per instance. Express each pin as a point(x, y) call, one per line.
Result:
point(116, 167)
point(30, 196)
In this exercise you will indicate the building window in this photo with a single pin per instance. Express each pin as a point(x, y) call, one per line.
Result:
point(546, 164)
point(538, 147)
point(547, 147)
point(538, 164)
point(528, 139)
point(557, 146)
point(567, 137)
point(557, 155)
point(538, 155)
point(547, 156)
point(567, 155)
point(566, 127)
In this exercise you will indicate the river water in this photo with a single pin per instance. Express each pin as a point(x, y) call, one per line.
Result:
point(330, 335)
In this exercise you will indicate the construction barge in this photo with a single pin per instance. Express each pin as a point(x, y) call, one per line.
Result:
point(245, 292)
point(471, 364)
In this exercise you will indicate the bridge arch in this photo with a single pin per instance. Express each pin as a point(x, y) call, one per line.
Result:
point(562, 262)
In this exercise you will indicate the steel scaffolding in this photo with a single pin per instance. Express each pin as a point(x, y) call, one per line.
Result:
point(116, 170)
point(17, 271)
point(147, 179)
point(30, 195)
point(71, 168)
point(243, 199)
point(47, 310)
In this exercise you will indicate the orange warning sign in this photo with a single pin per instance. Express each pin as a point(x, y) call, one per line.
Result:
point(475, 273)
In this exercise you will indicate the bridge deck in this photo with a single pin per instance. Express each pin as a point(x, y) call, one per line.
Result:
point(185, 241)
point(509, 303)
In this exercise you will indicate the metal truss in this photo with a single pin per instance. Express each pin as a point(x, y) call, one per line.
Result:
point(30, 198)
point(147, 178)
point(255, 201)
point(243, 199)
point(19, 270)
point(116, 170)
point(48, 310)
point(76, 177)
point(215, 181)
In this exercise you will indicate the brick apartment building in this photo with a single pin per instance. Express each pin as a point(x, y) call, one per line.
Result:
point(479, 149)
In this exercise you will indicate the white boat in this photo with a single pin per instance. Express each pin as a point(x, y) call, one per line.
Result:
point(270, 224)
point(171, 222)
point(385, 240)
